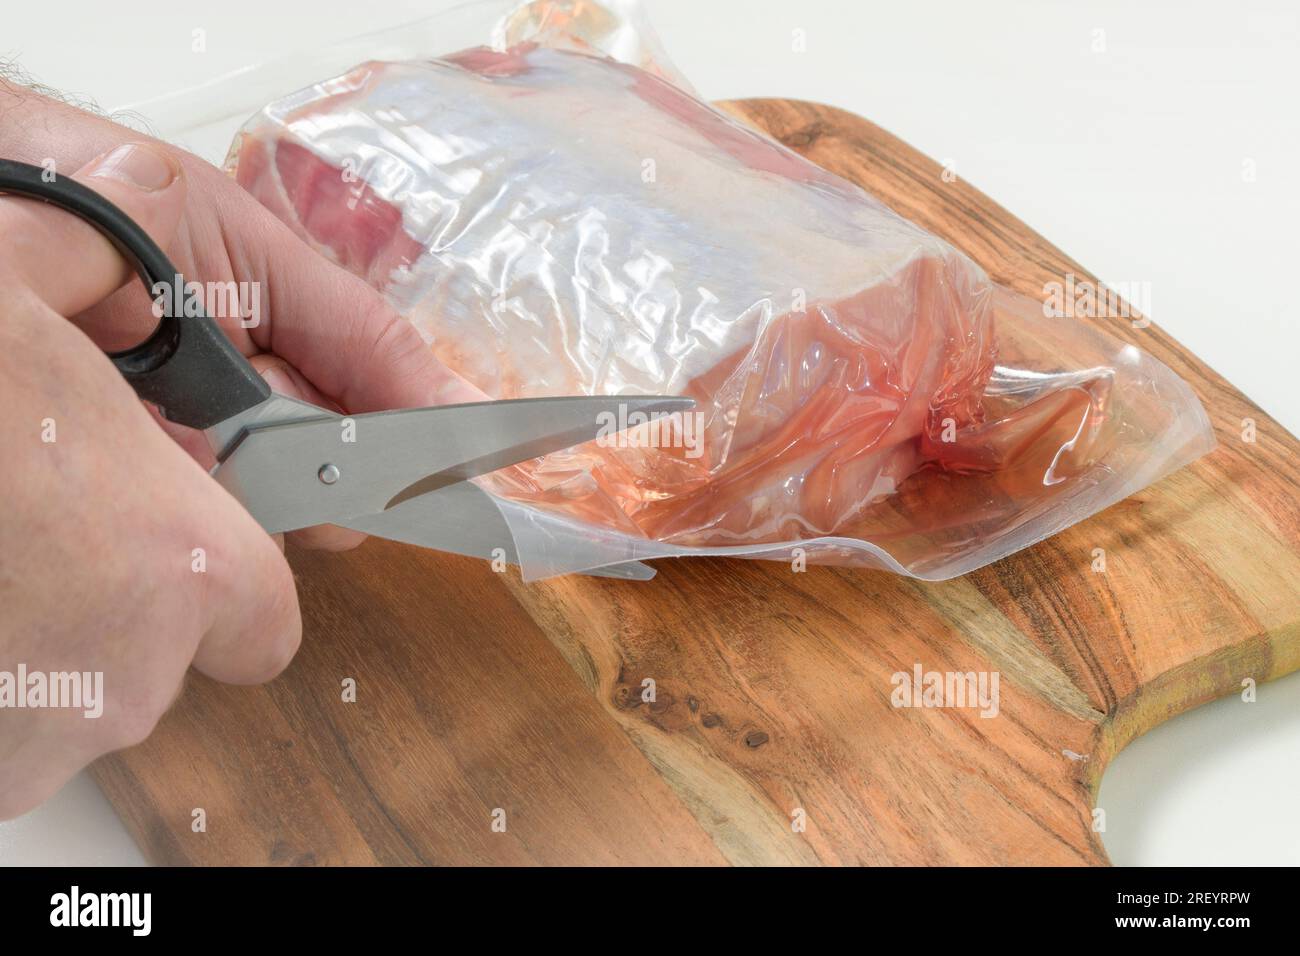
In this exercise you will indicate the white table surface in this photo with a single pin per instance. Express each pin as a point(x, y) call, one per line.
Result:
point(1133, 159)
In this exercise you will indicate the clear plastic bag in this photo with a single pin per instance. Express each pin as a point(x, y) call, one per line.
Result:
point(556, 221)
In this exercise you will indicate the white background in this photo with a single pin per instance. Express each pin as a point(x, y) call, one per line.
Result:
point(1164, 149)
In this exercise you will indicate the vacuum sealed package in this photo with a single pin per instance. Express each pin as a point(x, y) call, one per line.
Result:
point(557, 213)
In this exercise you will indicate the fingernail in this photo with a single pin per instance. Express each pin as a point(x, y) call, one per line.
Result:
point(144, 167)
point(279, 380)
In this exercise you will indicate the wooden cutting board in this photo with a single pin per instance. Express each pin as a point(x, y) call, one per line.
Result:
point(481, 699)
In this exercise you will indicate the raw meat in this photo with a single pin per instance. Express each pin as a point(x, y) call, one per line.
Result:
point(557, 223)
point(582, 227)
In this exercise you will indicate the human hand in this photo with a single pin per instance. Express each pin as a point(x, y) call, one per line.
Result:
point(102, 525)
point(119, 555)
point(320, 334)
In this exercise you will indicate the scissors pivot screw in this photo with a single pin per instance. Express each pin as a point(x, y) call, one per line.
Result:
point(328, 474)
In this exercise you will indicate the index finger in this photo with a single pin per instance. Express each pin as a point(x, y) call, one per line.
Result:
point(333, 327)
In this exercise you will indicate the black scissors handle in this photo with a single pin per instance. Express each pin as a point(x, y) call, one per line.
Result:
point(186, 366)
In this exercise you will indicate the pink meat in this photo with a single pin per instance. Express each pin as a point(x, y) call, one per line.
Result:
point(556, 223)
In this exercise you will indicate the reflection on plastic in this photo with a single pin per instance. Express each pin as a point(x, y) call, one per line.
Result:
point(556, 222)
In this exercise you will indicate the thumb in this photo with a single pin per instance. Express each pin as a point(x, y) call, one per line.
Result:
point(66, 261)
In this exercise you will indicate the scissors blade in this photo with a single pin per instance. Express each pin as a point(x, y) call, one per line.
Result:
point(462, 518)
point(224, 436)
point(293, 474)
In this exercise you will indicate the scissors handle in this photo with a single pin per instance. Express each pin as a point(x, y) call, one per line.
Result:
point(186, 366)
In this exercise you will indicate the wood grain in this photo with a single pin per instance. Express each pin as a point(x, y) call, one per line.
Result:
point(477, 693)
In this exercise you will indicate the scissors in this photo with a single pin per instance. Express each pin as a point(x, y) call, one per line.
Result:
point(403, 475)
